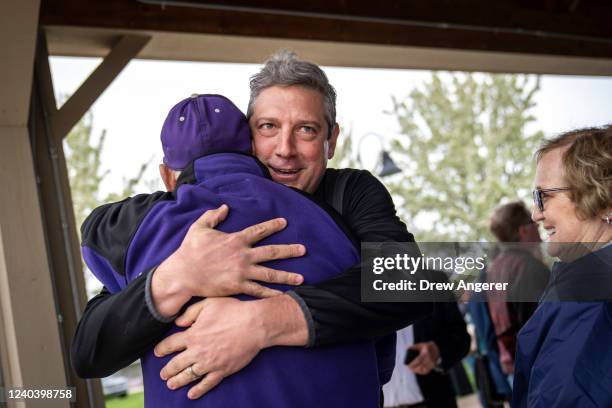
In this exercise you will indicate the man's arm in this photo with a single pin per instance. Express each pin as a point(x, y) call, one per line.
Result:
point(333, 310)
point(451, 335)
point(334, 307)
point(449, 341)
point(213, 263)
point(99, 347)
point(442, 339)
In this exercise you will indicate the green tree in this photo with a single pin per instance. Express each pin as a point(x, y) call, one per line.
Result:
point(464, 147)
point(83, 159)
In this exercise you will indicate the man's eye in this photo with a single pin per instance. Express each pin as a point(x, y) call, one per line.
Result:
point(267, 129)
point(307, 129)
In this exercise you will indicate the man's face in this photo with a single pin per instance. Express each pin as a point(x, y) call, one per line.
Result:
point(290, 135)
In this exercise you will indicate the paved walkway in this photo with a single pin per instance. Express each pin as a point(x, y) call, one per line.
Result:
point(470, 401)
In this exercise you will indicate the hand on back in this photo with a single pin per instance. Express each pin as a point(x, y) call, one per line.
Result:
point(211, 263)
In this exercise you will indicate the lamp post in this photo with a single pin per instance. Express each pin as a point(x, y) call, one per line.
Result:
point(387, 165)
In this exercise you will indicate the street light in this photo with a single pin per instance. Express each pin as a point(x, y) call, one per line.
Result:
point(387, 165)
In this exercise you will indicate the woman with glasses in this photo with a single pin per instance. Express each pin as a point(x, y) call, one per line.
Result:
point(564, 354)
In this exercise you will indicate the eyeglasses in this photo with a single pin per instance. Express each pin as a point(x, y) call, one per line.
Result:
point(538, 194)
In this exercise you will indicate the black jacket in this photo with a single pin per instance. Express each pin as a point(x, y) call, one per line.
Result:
point(447, 329)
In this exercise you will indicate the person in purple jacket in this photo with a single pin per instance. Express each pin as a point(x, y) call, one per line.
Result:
point(150, 227)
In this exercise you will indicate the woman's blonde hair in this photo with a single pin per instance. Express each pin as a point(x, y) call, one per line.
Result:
point(587, 164)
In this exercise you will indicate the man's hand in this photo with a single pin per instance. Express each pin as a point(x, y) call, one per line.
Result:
point(427, 360)
point(216, 347)
point(212, 263)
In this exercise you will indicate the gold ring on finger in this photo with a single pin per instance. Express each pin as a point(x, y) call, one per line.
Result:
point(192, 373)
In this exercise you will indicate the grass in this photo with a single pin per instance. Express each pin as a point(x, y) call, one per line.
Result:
point(131, 401)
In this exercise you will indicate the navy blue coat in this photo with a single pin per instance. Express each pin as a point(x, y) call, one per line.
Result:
point(564, 354)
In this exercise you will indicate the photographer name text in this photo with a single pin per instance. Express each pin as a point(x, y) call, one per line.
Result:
point(426, 285)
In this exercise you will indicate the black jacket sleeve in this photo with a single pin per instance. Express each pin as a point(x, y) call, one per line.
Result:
point(445, 327)
point(449, 330)
point(114, 331)
point(452, 337)
point(334, 307)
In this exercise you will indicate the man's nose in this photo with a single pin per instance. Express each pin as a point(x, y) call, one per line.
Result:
point(285, 144)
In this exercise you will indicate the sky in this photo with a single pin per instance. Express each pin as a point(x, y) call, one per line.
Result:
point(133, 107)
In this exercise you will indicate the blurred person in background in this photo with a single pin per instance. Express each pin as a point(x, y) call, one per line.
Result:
point(564, 358)
point(518, 263)
point(426, 350)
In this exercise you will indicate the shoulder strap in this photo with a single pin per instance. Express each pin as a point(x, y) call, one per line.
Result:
point(335, 189)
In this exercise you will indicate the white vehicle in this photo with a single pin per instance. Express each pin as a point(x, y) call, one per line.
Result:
point(115, 386)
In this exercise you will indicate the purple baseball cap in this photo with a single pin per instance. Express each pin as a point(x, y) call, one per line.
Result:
point(203, 124)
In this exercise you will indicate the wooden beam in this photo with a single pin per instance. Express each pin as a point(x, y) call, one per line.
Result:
point(44, 79)
point(79, 103)
point(95, 42)
point(553, 16)
point(58, 216)
point(477, 25)
point(18, 45)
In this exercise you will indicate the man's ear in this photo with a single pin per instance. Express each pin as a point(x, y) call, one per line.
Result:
point(168, 176)
point(331, 142)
